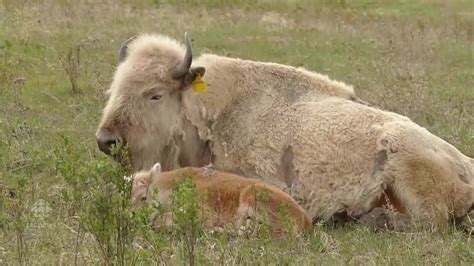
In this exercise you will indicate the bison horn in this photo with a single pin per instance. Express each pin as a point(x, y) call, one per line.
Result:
point(123, 49)
point(182, 69)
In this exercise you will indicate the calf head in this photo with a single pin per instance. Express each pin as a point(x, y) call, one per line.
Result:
point(142, 187)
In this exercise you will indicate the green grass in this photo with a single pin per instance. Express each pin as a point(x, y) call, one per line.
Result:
point(412, 57)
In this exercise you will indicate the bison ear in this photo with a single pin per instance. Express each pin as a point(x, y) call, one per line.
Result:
point(155, 172)
point(193, 74)
point(123, 49)
point(200, 71)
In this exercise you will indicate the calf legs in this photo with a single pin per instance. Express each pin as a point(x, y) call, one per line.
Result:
point(277, 209)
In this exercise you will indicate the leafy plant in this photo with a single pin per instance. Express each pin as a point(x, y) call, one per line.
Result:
point(185, 211)
point(99, 195)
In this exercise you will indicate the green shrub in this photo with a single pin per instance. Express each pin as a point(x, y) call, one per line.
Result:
point(186, 218)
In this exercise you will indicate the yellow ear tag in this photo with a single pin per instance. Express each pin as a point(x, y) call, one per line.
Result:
point(199, 85)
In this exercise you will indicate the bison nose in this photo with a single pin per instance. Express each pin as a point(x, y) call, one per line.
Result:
point(106, 139)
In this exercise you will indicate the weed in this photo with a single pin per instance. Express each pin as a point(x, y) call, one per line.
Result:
point(411, 57)
point(71, 64)
point(100, 197)
point(185, 211)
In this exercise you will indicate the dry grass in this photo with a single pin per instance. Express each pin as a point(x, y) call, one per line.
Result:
point(412, 57)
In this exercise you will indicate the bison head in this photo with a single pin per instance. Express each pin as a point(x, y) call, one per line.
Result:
point(144, 109)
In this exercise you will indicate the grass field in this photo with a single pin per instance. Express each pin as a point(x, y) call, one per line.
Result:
point(411, 57)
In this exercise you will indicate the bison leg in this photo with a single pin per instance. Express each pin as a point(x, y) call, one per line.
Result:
point(413, 189)
point(466, 223)
point(384, 219)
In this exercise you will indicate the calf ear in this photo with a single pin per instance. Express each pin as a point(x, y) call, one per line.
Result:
point(155, 172)
point(107, 94)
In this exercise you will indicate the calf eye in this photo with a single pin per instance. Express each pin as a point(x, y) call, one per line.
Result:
point(155, 97)
point(143, 199)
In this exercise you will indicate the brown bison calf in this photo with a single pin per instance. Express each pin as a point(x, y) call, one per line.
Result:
point(225, 200)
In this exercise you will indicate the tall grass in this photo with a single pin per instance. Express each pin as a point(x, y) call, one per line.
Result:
point(63, 202)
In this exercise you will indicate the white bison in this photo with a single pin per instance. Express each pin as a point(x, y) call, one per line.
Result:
point(225, 200)
point(286, 126)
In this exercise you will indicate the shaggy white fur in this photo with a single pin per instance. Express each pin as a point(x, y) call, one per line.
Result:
point(288, 126)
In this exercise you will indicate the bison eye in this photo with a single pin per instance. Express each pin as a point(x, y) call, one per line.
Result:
point(463, 178)
point(155, 98)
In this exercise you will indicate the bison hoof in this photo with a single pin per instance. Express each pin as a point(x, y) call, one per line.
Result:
point(467, 223)
point(383, 219)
